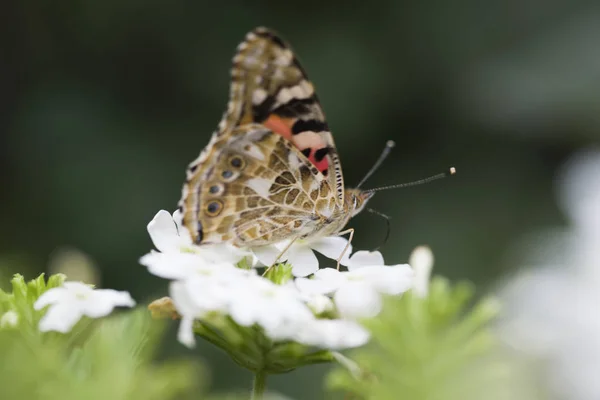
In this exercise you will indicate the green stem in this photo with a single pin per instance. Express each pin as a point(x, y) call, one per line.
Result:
point(258, 385)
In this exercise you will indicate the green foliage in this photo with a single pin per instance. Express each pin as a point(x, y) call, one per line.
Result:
point(432, 348)
point(20, 301)
point(280, 273)
point(105, 359)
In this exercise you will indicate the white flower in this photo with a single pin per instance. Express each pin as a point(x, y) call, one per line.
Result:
point(178, 257)
point(73, 300)
point(551, 308)
point(195, 297)
point(300, 254)
point(421, 260)
point(166, 232)
point(9, 319)
point(357, 291)
point(332, 334)
point(278, 309)
point(179, 266)
point(169, 236)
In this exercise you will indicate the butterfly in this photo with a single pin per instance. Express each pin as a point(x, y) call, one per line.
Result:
point(271, 171)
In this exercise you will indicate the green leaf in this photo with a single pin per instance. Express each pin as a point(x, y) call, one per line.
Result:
point(114, 362)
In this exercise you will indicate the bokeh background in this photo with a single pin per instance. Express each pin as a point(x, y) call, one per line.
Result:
point(104, 103)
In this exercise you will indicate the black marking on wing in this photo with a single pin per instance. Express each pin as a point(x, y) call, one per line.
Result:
point(313, 125)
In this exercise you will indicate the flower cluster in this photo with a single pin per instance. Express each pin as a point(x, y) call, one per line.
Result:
point(293, 301)
point(319, 308)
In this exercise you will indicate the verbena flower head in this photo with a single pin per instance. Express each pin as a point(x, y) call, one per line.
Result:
point(74, 300)
point(318, 309)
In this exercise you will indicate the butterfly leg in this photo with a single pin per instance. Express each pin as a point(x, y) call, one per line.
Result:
point(351, 232)
point(280, 255)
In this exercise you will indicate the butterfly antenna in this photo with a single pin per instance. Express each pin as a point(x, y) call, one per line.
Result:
point(451, 171)
point(386, 151)
point(387, 223)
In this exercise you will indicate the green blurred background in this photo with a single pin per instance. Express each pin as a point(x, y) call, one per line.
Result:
point(104, 103)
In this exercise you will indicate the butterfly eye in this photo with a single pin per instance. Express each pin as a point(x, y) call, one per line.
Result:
point(214, 208)
point(237, 162)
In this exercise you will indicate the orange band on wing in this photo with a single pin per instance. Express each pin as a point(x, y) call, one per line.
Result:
point(282, 126)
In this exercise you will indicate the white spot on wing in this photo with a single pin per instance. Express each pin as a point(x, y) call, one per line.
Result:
point(258, 96)
point(303, 90)
point(285, 58)
point(309, 139)
point(254, 151)
point(260, 186)
point(294, 161)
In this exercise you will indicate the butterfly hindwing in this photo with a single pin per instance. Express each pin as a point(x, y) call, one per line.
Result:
point(249, 194)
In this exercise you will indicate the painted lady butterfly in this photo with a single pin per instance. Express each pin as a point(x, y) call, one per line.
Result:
point(271, 171)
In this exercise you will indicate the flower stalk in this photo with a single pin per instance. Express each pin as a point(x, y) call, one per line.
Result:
point(259, 385)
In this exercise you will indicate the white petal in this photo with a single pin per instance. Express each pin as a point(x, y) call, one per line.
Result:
point(392, 280)
point(243, 312)
point(185, 334)
point(60, 318)
point(319, 303)
point(332, 247)
point(223, 253)
point(104, 301)
point(178, 219)
point(303, 261)
point(421, 259)
point(175, 265)
point(364, 258)
point(51, 296)
point(316, 286)
point(185, 239)
point(267, 255)
point(182, 299)
point(332, 276)
point(163, 231)
point(332, 334)
point(357, 300)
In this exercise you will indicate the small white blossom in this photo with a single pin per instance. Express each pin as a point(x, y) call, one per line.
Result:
point(301, 253)
point(196, 296)
point(332, 334)
point(169, 236)
point(179, 266)
point(73, 300)
point(9, 319)
point(178, 257)
point(278, 309)
point(421, 260)
point(356, 292)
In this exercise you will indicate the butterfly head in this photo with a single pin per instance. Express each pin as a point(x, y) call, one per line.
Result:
point(356, 199)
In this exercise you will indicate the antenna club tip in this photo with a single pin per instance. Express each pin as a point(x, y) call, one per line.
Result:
point(390, 144)
point(452, 171)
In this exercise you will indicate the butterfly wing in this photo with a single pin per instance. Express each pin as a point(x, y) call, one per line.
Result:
point(270, 87)
point(249, 195)
point(275, 125)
